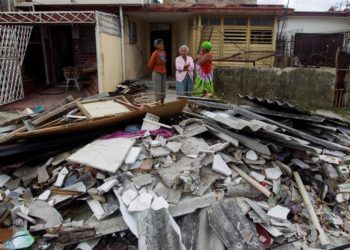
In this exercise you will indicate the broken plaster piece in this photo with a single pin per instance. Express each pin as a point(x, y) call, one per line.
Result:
point(128, 196)
point(220, 166)
point(44, 195)
point(258, 177)
point(107, 155)
point(251, 155)
point(278, 212)
point(4, 178)
point(174, 146)
point(132, 155)
point(105, 187)
point(273, 173)
point(61, 176)
point(142, 202)
point(159, 151)
point(159, 203)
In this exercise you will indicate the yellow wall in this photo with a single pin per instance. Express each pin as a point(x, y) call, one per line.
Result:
point(221, 49)
point(110, 62)
point(135, 54)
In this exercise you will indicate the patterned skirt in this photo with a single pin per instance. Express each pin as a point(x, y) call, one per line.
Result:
point(203, 84)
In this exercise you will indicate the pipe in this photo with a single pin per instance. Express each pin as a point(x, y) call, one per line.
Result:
point(122, 41)
point(313, 217)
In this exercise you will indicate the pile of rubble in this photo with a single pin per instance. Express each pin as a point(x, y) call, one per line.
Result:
point(220, 176)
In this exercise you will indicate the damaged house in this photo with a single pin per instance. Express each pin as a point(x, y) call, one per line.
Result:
point(83, 41)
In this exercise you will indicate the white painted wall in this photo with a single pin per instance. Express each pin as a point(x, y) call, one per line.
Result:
point(321, 24)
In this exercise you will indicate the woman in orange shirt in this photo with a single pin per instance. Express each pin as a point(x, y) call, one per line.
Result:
point(157, 64)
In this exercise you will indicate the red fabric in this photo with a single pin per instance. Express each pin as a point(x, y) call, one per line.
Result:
point(207, 67)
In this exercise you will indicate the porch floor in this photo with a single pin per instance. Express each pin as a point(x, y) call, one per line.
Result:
point(46, 98)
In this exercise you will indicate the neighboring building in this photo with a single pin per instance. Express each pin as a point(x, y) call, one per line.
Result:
point(312, 38)
point(315, 22)
point(241, 33)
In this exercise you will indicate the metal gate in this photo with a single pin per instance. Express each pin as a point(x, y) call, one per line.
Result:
point(13, 45)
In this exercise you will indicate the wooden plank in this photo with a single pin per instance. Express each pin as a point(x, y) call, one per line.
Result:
point(83, 109)
point(164, 111)
point(55, 113)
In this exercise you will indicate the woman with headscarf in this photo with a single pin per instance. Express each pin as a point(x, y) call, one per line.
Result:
point(203, 84)
point(157, 64)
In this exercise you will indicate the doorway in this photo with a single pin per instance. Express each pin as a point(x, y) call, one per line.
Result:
point(164, 34)
point(62, 49)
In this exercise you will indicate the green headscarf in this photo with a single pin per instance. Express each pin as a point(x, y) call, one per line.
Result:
point(206, 45)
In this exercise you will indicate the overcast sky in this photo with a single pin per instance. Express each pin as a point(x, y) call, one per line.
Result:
point(306, 5)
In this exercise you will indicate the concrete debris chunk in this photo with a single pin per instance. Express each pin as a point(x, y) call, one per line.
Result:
point(220, 166)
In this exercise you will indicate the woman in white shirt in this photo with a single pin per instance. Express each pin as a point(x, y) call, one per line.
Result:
point(184, 72)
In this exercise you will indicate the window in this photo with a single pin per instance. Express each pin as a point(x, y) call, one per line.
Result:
point(232, 35)
point(214, 21)
point(235, 21)
point(261, 21)
point(261, 36)
point(132, 32)
point(87, 39)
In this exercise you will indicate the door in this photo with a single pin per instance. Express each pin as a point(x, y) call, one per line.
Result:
point(166, 36)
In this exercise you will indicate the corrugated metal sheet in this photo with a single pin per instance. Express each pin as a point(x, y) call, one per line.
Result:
point(275, 104)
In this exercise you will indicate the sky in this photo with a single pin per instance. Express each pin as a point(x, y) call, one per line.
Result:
point(306, 5)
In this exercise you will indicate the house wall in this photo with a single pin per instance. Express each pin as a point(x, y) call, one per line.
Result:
point(300, 24)
point(135, 54)
point(109, 66)
point(230, 39)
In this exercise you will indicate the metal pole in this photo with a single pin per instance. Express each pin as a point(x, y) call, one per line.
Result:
point(122, 41)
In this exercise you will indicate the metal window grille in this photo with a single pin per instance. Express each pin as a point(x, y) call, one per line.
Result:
point(13, 45)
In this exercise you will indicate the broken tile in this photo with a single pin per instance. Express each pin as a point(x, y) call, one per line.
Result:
point(140, 203)
point(220, 166)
